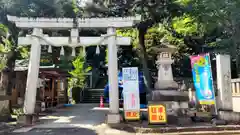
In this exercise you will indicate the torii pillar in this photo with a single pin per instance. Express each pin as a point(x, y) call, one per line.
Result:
point(113, 116)
point(32, 77)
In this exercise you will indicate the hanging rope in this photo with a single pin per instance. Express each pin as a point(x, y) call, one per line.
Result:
point(103, 37)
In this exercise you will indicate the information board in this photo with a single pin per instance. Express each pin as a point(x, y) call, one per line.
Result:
point(131, 93)
point(157, 114)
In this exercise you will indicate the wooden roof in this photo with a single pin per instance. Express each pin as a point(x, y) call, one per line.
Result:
point(22, 65)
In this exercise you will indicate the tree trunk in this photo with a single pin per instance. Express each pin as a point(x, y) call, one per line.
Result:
point(144, 58)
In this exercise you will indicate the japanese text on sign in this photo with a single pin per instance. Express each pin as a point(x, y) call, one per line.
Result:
point(157, 114)
point(130, 74)
point(131, 89)
point(132, 115)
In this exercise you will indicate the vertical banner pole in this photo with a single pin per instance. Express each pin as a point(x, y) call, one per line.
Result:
point(215, 105)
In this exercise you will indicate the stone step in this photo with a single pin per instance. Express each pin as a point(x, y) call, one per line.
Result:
point(92, 95)
point(91, 101)
point(94, 92)
point(92, 98)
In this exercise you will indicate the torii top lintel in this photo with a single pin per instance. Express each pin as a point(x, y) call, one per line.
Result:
point(67, 23)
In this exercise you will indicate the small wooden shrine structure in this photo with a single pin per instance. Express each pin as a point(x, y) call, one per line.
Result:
point(53, 89)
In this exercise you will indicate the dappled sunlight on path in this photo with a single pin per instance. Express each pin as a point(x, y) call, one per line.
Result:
point(80, 115)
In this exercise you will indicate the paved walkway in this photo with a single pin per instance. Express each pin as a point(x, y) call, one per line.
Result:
point(81, 115)
point(85, 119)
point(82, 119)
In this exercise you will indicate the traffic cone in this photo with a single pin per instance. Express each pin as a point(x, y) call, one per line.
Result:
point(101, 102)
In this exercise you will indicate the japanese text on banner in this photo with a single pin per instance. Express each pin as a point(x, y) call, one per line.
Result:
point(202, 78)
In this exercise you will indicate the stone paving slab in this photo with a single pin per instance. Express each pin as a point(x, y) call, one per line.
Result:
point(173, 129)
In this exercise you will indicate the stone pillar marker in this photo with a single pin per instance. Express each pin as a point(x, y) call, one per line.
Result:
point(224, 97)
point(224, 82)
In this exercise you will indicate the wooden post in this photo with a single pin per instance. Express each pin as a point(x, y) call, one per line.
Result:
point(53, 88)
point(65, 91)
point(58, 91)
point(43, 89)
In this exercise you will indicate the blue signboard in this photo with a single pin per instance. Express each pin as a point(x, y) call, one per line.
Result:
point(202, 78)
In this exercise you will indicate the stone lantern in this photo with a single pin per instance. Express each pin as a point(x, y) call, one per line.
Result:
point(166, 90)
point(164, 61)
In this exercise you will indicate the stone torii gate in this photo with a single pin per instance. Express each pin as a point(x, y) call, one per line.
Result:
point(38, 38)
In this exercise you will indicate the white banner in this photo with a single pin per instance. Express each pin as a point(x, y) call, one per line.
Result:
point(131, 89)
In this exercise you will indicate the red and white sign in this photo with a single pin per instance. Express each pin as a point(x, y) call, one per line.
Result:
point(131, 89)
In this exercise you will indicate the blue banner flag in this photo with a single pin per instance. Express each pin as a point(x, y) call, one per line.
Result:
point(202, 78)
